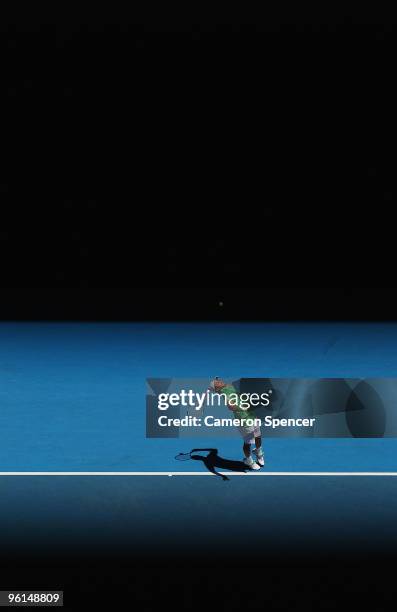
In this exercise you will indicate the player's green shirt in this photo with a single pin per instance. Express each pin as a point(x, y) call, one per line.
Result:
point(238, 411)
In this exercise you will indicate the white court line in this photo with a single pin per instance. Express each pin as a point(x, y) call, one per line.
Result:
point(197, 473)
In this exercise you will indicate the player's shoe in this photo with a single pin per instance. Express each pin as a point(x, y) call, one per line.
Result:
point(260, 457)
point(250, 463)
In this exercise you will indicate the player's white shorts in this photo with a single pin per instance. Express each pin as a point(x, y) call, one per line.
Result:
point(250, 433)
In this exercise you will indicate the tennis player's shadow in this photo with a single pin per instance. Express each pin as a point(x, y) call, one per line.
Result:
point(213, 461)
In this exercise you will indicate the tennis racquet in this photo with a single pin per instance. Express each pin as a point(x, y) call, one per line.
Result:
point(183, 456)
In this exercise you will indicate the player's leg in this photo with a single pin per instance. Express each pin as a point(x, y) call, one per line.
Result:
point(247, 450)
point(260, 457)
point(248, 460)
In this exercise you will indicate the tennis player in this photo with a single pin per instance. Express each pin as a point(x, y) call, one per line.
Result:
point(250, 434)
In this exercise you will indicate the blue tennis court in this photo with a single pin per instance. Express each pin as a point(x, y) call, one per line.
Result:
point(72, 395)
point(72, 399)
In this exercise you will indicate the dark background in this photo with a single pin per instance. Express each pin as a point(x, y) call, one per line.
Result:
point(192, 166)
point(162, 151)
